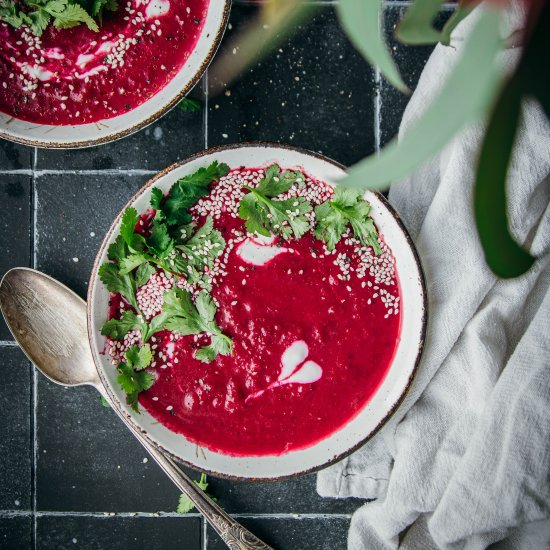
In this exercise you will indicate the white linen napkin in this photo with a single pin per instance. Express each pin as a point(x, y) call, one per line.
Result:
point(465, 461)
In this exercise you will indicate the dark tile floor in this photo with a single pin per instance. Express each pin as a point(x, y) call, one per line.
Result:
point(71, 475)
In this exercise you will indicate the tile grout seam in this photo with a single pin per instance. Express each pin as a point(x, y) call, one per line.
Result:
point(205, 116)
point(142, 515)
point(34, 388)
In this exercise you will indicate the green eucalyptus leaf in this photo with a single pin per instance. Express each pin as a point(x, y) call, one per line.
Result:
point(461, 12)
point(416, 25)
point(465, 97)
point(503, 255)
point(360, 20)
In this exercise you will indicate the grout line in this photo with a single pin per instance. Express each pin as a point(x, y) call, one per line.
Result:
point(8, 344)
point(34, 387)
point(377, 108)
point(205, 91)
point(110, 172)
point(138, 515)
point(204, 534)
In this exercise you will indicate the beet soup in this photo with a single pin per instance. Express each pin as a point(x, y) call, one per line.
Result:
point(310, 312)
point(78, 76)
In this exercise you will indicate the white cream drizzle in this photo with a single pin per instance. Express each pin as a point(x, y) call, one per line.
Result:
point(292, 357)
point(157, 8)
point(260, 250)
point(40, 73)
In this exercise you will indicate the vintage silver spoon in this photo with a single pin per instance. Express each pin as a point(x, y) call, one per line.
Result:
point(48, 321)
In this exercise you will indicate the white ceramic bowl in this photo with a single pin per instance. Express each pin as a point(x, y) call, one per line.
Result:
point(103, 131)
point(370, 418)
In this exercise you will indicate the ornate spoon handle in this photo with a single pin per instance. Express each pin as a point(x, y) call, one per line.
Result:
point(231, 532)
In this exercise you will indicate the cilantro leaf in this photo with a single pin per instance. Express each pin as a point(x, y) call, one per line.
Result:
point(132, 261)
point(185, 318)
point(143, 274)
point(104, 402)
point(190, 105)
point(70, 15)
point(346, 208)
point(118, 250)
point(119, 328)
point(130, 219)
point(199, 250)
point(132, 378)
point(157, 197)
point(185, 504)
point(265, 216)
point(119, 283)
point(188, 190)
point(160, 241)
point(139, 358)
point(10, 14)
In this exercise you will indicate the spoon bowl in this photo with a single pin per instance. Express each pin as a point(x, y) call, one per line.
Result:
point(54, 339)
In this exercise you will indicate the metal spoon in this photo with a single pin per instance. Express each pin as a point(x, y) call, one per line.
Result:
point(48, 321)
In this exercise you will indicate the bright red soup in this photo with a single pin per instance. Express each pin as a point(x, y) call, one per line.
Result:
point(77, 76)
point(314, 333)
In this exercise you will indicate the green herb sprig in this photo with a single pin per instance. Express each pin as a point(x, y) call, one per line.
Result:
point(185, 504)
point(266, 215)
point(346, 208)
point(133, 378)
point(63, 14)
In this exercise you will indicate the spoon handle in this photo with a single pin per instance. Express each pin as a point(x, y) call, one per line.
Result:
point(235, 536)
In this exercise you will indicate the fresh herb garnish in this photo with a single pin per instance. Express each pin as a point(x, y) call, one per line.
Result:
point(265, 215)
point(185, 504)
point(346, 208)
point(185, 193)
point(198, 252)
point(64, 14)
point(133, 378)
point(180, 315)
point(190, 105)
point(172, 246)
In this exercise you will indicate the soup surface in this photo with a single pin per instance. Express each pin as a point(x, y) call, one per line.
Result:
point(77, 76)
point(314, 332)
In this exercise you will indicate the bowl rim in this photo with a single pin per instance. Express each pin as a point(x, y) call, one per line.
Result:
point(82, 144)
point(116, 402)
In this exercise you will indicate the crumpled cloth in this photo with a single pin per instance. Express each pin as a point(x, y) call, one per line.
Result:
point(465, 461)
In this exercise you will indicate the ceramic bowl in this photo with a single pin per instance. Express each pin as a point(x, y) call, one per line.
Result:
point(103, 131)
point(370, 418)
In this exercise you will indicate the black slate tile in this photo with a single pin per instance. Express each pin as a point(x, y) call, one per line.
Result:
point(14, 156)
point(410, 61)
point(314, 91)
point(86, 459)
point(118, 533)
point(173, 137)
point(298, 496)
point(15, 228)
point(15, 432)
point(89, 461)
point(16, 532)
point(73, 213)
point(323, 533)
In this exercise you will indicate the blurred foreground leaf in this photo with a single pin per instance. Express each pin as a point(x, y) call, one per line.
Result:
point(502, 253)
point(465, 97)
point(360, 19)
point(504, 256)
point(416, 27)
point(276, 20)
